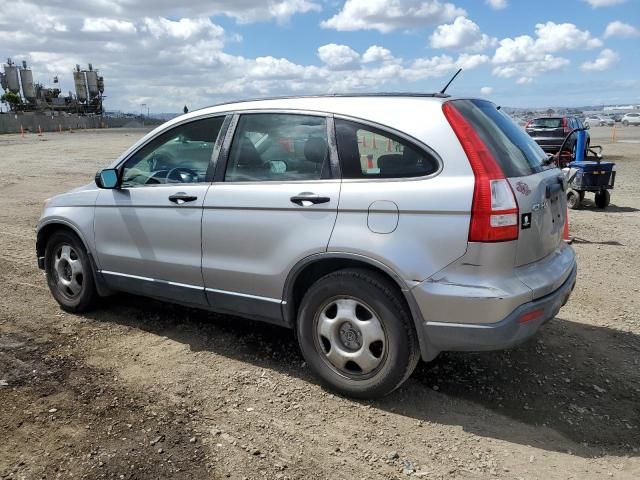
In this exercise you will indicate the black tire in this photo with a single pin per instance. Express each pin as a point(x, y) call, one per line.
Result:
point(80, 294)
point(574, 199)
point(625, 123)
point(398, 353)
point(602, 199)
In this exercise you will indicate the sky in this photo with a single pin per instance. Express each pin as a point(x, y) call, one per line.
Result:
point(518, 53)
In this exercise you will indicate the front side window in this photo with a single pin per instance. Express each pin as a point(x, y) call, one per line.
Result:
point(278, 147)
point(180, 155)
point(367, 152)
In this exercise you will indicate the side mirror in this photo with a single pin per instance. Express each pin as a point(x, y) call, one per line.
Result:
point(107, 178)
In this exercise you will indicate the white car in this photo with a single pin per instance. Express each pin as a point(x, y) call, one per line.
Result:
point(598, 121)
point(631, 119)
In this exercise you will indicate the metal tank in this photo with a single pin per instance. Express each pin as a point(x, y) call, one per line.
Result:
point(3, 81)
point(11, 74)
point(92, 82)
point(80, 84)
point(26, 78)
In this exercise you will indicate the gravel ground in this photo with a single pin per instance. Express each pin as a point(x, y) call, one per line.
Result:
point(141, 389)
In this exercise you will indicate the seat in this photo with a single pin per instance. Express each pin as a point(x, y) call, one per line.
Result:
point(410, 163)
point(247, 162)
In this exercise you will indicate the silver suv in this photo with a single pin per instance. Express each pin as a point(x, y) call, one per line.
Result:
point(381, 228)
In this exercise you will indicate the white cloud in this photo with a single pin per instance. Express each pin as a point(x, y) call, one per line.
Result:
point(486, 90)
point(338, 57)
point(388, 15)
point(526, 57)
point(376, 53)
point(462, 34)
point(605, 60)
point(604, 3)
point(106, 25)
point(620, 29)
point(469, 62)
point(524, 80)
point(553, 37)
point(497, 4)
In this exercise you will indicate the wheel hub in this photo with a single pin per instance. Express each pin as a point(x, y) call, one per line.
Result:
point(350, 336)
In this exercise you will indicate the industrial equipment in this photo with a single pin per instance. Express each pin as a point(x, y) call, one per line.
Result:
point(89, 90)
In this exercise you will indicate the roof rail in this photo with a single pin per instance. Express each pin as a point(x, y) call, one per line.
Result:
point(332, 95)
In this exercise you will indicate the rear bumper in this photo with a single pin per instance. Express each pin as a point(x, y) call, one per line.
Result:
point(504, 334)
point(478, 302)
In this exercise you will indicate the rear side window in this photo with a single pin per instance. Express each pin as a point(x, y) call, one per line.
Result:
point(516, 152)
point(367, 152)
point(546, 123)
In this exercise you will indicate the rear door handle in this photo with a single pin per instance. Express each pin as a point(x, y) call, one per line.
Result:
point(182, 197)
point(305, 199)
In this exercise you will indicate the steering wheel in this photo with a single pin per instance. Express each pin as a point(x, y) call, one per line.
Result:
point(182, 175)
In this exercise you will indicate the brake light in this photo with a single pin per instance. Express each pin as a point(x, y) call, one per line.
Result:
point(528, 124)
point(565, 127)
point(494, 210)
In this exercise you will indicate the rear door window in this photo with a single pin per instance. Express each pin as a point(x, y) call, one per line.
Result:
point(368, 152)
point(272, 147)
point(516, 152)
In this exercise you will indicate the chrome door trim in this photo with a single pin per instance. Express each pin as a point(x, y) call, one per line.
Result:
point(246, 295)
point(147, 279)
point(195, 287)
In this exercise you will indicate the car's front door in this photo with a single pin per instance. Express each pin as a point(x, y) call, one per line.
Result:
point(274, 204)
point(148, 231)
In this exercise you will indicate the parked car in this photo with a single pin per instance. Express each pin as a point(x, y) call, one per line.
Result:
point(631, 119)
point(617, 117)
point(381, 228)
point(598, 121)
point(550, 132)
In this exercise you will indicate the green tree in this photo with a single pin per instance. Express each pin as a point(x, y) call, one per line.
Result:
point(11, 99)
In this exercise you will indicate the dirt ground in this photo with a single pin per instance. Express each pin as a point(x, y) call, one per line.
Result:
point(141, 389)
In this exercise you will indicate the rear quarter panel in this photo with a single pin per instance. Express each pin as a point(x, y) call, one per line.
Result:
point(433, 212)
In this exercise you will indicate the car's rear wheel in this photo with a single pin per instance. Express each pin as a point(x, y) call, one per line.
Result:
point(356, 334)
point(69, 273)
point(625, 123)
point(602, 199)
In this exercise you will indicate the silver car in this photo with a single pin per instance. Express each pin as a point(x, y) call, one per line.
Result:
point(381, 228)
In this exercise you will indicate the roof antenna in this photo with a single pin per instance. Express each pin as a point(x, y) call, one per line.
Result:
point(449, 83)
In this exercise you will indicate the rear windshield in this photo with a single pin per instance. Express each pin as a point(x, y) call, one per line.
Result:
point(546, 122)
point(516, 152)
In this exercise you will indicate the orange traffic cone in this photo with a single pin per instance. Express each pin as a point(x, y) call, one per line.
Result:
point(21, 131)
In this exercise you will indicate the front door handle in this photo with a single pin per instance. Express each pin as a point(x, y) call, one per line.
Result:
point(182, 197)
point(305, 199)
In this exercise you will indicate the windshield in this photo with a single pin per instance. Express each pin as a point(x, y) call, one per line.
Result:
point(516, 152)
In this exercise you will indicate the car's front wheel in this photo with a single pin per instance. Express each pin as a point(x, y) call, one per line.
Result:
point(69, 274)
point(356, 334)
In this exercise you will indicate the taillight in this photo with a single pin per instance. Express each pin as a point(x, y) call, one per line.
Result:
point(494, 211)
point(565, 127)
point(528, 124)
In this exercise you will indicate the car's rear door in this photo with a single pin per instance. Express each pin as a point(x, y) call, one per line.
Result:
point(273, 202)
point(148, 231)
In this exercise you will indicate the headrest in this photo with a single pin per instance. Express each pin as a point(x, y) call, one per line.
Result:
point(316, 149)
